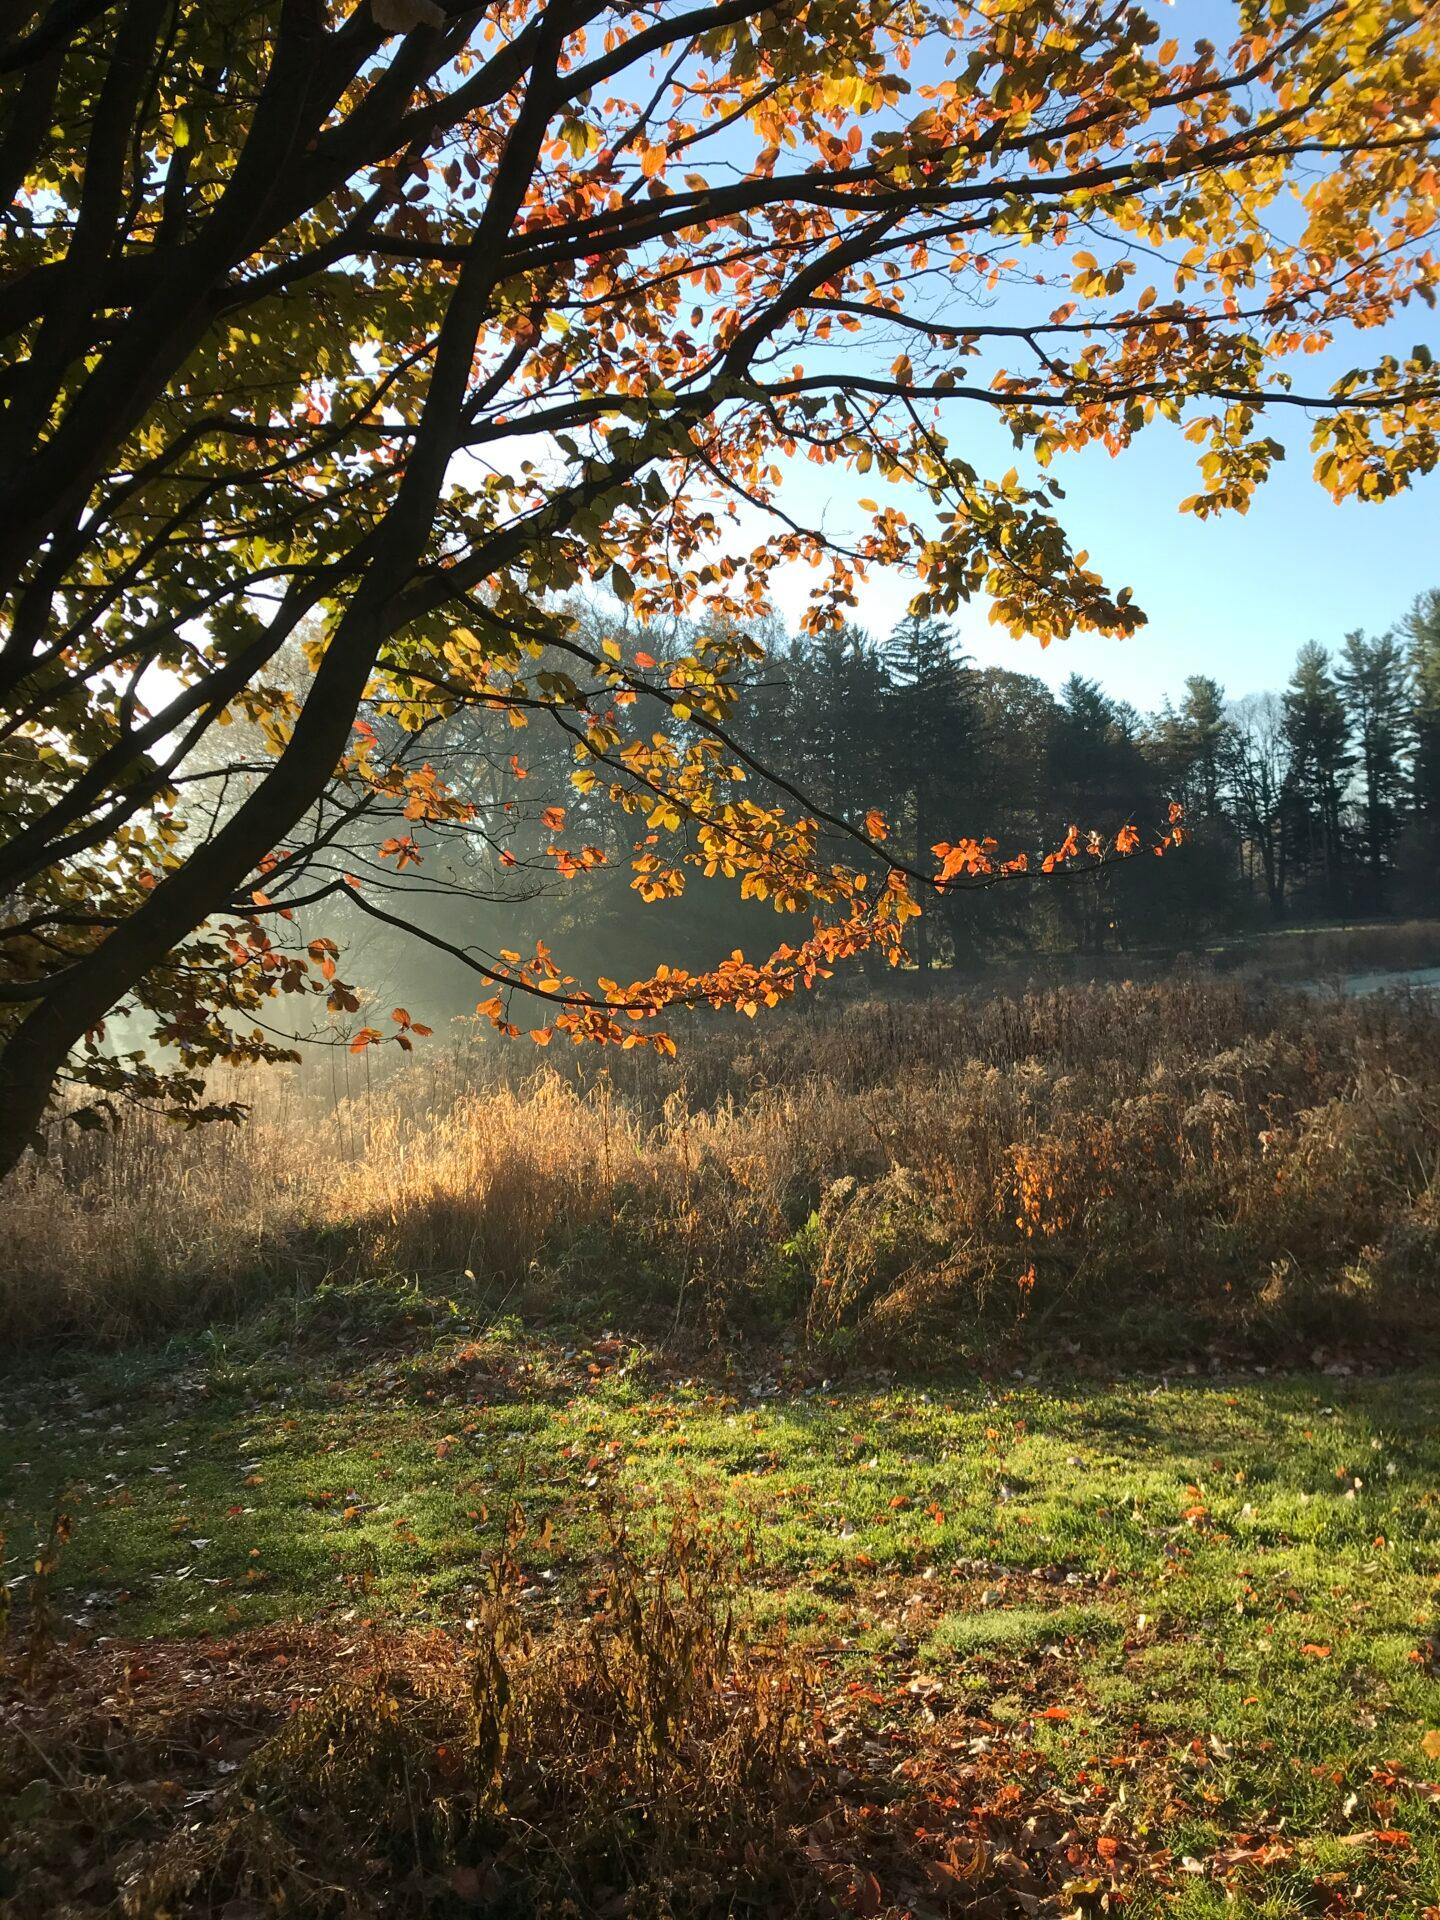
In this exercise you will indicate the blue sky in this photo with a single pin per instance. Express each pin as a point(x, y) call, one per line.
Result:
point(1232, 596)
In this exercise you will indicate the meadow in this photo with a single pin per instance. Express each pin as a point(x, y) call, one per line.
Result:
point(960, 1457)
point(1204, 1160)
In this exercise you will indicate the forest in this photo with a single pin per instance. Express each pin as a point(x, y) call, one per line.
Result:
point(1318, 801)
point(1315, 804)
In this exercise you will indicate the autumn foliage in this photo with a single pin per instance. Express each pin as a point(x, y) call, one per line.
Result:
point(345, 341)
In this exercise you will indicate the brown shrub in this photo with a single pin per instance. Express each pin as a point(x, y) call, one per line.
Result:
point(648, 1758)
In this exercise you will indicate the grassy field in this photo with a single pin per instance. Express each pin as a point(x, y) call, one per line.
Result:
point(745, 1485)
point(1200, 1614)
point(1181, 1165)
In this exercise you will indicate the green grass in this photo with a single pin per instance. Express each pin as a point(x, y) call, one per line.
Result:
point(1016, 1630)
point(1213, 1597)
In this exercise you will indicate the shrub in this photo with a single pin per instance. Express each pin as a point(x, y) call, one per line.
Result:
point(650, 1758)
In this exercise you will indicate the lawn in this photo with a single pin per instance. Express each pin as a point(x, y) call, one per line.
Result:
point(1208, 1603)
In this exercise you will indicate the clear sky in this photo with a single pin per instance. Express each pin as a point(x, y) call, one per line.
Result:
point(1232, 596)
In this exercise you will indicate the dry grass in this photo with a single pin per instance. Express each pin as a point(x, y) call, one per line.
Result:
point(1247, 1158)
point(1323, 953)
point(647, 1754)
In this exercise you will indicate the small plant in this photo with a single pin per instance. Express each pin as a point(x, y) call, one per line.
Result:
point(35, 1592)
point(870, 1241)
point(650, 1753)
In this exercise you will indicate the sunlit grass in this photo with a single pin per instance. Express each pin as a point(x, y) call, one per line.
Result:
point(1154, 1167)
point(1231, 1584)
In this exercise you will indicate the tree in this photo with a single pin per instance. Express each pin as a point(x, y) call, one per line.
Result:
point(1419, 855)
point(1192, 746)
point(1097, 769)
point(1374, 685)
point(1258, 780)
point(409, 317)
point(930, 735)
point(1317, 734)
point(1422, 631)
point(833, 741)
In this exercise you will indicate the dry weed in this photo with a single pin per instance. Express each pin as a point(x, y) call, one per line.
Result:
point(1122, 1145)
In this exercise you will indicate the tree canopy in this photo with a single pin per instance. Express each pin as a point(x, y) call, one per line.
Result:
point(345, 339)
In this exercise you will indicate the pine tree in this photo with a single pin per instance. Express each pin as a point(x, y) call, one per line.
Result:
point(1418, 858)
point(1099, 778)
point(1422, 632)
point(1317, 732)
point(1188, 748)
point(838, 687)
point(932, 731)
point(1205, 733)
point(1374, 684)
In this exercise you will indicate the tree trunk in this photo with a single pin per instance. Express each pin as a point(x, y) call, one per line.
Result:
point(35, 1053)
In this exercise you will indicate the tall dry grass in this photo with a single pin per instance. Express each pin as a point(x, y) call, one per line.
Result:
point(1316, 953)
point(1237, 1157)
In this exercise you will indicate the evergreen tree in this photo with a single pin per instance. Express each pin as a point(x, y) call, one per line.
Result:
point(1418, 857)
point(1099, 779)
point(1317, 733)
point(1374, 683)
point(1097, 767)
point(836, 723)
point(1205, 735)
point(1422, 632)
point(932, 733)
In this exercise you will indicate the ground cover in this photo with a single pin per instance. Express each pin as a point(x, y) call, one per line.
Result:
point(1200, 1610)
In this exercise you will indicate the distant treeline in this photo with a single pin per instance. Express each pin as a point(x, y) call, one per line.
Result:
point(1320, 801)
